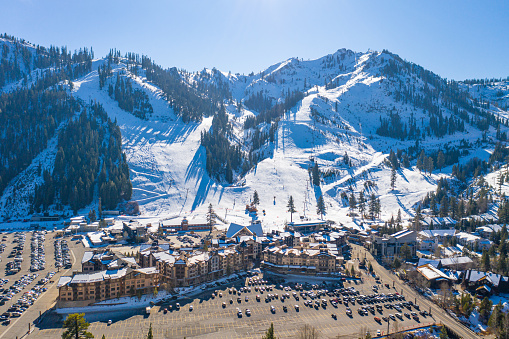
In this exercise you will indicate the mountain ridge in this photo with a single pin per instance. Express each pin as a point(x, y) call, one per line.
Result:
point(345, 96)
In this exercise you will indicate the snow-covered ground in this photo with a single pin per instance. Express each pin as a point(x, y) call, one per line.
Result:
point(167, 163)
point(117, 304)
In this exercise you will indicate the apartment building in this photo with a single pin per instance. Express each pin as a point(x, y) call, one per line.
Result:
point(107, 284)
point(319, 258)
point(180, 269)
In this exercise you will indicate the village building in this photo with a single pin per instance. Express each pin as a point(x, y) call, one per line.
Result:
point(389, 246)
point(307, 259)
point(236, 230)
point(306, 226)
point(484, 283)
point(473, 241)
point(439, 234)
point(102, 285)
point(486, 231)
point(134, 231)
point(435, 277)
point(453, 263)
point(93, 261)
point(169, 226)
point(182, 268)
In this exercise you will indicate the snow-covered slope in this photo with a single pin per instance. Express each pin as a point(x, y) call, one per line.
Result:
point(345, 96)
point(168, 165)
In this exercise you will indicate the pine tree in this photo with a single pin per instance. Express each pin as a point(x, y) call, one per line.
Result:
point(362, 202)
point(352, 202)
point(417, 219)
point(372, 206)
point(393, 177)
point(440, 160)
point(443, 333)
point(320, 207)
point(211, 216)
point(270, 333)
point(76, 327)
point(485, 308)
point(92, 216)
point(291, 207)
point(149, 334)
point(316, 174)
point(256, 199)
point(398, 218)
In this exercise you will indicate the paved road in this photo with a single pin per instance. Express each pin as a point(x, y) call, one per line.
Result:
point(438, 313)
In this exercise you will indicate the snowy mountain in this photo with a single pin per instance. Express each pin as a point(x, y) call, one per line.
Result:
point(345, 112)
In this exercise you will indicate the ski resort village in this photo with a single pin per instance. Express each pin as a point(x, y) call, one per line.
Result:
point(355, 195)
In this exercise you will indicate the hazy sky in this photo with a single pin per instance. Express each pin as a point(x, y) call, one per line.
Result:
point(456, 39)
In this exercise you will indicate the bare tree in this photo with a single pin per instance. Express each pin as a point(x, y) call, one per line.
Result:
point(395, 330)
point(362, 331)
point(308, 332)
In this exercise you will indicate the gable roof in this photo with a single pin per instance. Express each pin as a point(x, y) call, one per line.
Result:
point(479, 276)
point(431, 273)
point(234, 229)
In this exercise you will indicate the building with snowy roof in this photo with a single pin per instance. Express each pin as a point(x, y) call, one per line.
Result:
point(93, 261)
point(181, 268)
point(473, 241)
point(235, 230)
point(455, 263)
point(308, 259)
point(107, 284)
point(433, 275)
point(439, 222)
point(389, 246)
point(428, 245)
point(487, 230)
point(484, 283)
point(306, 226)
point(135, 231)
point(440, 235)
point(195, 225)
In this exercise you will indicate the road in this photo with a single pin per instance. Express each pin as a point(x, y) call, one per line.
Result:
point(387, 277)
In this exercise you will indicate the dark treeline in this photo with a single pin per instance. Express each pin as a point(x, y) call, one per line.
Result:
point(131, 100)
point(89, 159)
point(444, 203)
point(269, 113)
point(484, 82)
point(18, 59)
point(213, 86)
point(185, 101)
point(222, 158)
point(436, 92)
point(28, 119)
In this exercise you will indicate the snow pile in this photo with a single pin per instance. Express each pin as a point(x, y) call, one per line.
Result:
point(118, 304)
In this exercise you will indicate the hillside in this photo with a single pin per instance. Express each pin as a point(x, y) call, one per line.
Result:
point(192, 139)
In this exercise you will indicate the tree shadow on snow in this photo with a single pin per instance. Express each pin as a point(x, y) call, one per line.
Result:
point(318, 192)
point(195, 170)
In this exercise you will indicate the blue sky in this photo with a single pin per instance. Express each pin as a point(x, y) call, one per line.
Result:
point(455, 39)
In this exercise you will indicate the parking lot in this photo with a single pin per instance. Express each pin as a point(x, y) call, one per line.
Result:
point(210, 318)
point(30, 289)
